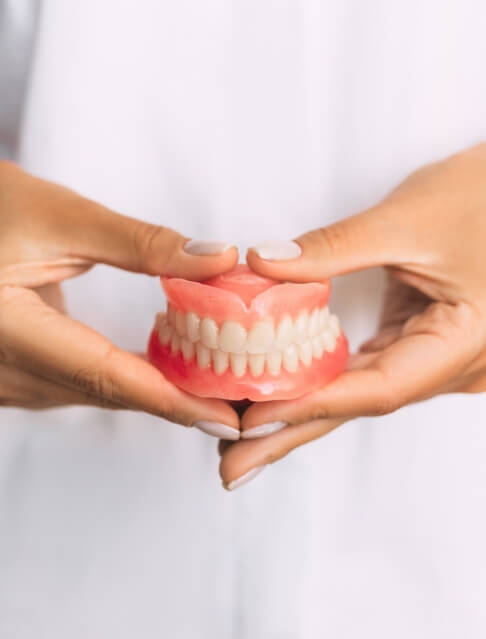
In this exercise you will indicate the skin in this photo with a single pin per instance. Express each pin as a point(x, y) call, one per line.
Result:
point(429, 234)
point(48, 234)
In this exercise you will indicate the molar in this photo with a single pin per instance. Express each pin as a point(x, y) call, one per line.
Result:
point(165, 333)
point(175, 343)
point(317, 347)
point(314, 323)
point(209, 333)
point(333, 324)
point(261, 337)
point(232, 337)
point(329, 340)
point(171, 315)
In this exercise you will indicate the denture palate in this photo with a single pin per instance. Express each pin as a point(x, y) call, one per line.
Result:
point(266, 346)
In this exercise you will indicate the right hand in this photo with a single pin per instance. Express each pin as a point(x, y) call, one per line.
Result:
point(48, 234)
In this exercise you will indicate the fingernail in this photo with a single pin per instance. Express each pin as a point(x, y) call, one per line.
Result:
point(201, 247)
point(217, 430)
point(263, 430)
point(244, 479)
point(278, 250)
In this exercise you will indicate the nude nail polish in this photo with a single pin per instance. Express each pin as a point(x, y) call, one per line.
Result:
point(263, 430)
point(276, 251)
point(222, 431)
point(244, 479)
point(202, 247)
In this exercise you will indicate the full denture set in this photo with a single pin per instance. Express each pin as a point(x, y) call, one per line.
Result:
point(242, 336)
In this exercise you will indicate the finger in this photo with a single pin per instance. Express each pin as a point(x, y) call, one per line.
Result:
point(37, 339)
point(240, 461)
point(434, 349)
point(24, 390)
point(78, 228)
point(372, 238)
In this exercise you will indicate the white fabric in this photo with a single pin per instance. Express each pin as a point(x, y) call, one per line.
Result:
point(243, 121)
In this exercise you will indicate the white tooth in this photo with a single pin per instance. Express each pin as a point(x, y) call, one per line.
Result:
point(323, 318)
point(180, 322)
point(329, 340)
point(285, 332)
point(165, 334)
point(256, 363)
point(187, 349)
point(203, 355)
point(260, 337)
point(305, 352)
point(220, 361)
point(160, 320)
point(171, 314)
point(209, 333)
point(301, 324)
point(317, 347)
point(175, 343)
point(314, 323)
point(238, 364)
point(232, 337)
point(291, 358)
point(274, 362)
point(193, 321)
point(334, 325)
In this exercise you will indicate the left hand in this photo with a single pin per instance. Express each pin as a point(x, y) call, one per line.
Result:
point(429, 234)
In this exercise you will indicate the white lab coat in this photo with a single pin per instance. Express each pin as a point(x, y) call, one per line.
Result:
point(240, 120)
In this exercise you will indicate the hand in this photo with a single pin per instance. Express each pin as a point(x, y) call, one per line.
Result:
point(430, 235)
point(48, 234)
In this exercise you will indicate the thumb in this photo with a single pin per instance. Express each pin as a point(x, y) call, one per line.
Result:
point(371, 238)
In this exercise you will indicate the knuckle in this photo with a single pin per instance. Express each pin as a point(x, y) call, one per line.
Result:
point(385, 404)
point(147, 239)
point(94, 382)
point(333, 237)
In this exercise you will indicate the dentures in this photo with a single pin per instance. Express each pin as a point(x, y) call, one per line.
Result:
point(242, 336)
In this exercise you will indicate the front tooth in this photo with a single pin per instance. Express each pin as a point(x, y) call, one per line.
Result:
point(220, 362)
point(285, 333)
point(317, 347)
point(232, 337)
point(329, 340)
point(323, 318)
point(180, 322)
point(256, 363)
point(290, 358)
point(165, 334)
point(274, 362)
point(193, 321)
point(238, 364)
point(301, 324)
point(171, 314)
point(334, 325)
point(187, 349)
point(314, 323)
point(261, 337)
point(203, 355)
point(209, 333)
point(305, 352)
point(175, 343)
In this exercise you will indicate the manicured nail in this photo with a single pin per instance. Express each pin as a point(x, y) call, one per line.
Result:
point(244, 479)
point(278, 250)
point(263, 430)
point(201, 247)
point(217, 430)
